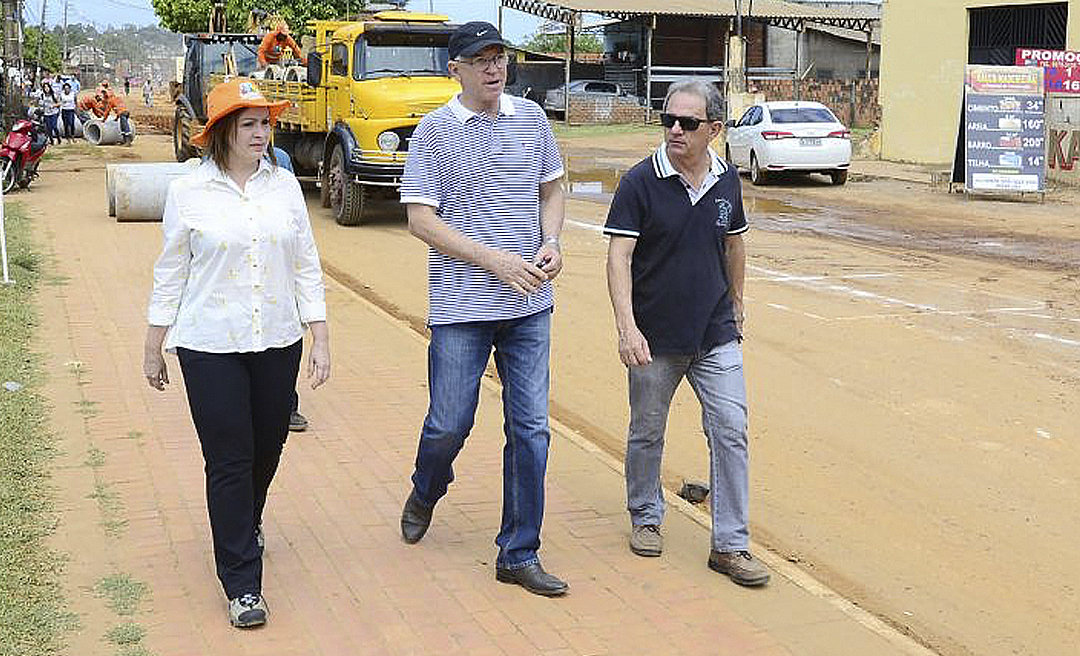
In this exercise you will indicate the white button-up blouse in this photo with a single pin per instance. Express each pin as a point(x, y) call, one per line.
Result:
point(239, 270)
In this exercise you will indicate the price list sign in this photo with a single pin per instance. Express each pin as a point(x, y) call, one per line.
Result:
point(1004, 128)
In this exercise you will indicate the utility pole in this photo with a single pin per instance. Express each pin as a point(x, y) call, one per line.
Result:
point(41, 43)
point(63, 55)
point(12, 52)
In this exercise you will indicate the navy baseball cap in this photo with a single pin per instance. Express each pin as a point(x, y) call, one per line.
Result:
point(472, 37)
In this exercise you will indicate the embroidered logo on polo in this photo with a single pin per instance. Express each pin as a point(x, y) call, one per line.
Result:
point(723, 214)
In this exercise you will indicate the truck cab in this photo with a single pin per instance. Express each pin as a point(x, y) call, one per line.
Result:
point(353, 108)
point(373, 79)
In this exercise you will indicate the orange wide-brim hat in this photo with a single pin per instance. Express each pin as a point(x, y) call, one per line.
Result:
point(230, 96)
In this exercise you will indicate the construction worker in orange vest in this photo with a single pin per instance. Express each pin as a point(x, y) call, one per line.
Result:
point(275, 43)
point(112, 104)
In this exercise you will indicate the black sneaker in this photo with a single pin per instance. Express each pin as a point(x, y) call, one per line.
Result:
point(297, 422)
point(247, 611)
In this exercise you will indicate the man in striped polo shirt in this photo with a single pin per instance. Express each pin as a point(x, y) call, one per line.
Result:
point(482, 188)
point(676, 263)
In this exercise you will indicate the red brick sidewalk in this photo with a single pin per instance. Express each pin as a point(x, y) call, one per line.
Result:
point(338, 578)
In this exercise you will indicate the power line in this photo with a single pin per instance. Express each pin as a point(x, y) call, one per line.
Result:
point(128, 5)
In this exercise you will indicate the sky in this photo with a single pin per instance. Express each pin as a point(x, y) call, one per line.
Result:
point(139, 12)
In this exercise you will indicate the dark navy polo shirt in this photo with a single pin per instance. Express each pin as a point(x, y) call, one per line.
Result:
point(680, 287)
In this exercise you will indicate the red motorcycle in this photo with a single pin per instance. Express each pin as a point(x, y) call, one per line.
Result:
point(22, 150)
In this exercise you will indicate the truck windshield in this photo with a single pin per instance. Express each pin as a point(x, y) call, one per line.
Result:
point(393, 54)
point(214, 58)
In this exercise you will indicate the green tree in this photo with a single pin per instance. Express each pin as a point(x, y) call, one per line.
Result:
point(50, 49)
point(583, 42)
point(194, 15)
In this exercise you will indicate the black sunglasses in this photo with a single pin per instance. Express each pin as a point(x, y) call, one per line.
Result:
point(687, 123)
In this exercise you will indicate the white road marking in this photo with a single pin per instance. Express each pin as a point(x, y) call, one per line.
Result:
point(820, 283)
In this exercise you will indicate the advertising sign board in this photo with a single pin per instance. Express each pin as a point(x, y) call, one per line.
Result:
point(1004, 129)
point(1061, 68)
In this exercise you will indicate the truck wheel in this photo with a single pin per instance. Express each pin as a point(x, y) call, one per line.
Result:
point(839, 176)
point(346, 196)
point(183, 125)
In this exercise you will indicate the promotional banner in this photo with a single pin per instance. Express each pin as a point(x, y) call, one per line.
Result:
point(1061, 68)
point(1004, 128)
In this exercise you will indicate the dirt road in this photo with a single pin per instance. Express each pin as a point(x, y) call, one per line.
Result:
point(913, 366)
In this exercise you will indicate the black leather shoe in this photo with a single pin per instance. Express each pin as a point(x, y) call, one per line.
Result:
point(415, 519)
point(534, 579)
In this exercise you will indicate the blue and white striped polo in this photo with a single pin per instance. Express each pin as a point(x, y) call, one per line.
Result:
point(482, 174)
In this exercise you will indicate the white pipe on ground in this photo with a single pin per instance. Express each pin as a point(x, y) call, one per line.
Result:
point(105, 133)
point(136, 192)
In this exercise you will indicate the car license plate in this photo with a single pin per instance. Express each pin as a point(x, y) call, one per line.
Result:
point(810, 141)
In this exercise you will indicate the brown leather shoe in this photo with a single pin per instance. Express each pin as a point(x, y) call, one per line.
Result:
point(740, 566)
point(415, 519)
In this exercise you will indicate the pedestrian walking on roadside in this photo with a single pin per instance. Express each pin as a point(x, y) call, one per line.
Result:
point(50, 111)
point(237, 281)
point(148, 92)
point(68, 102)
point(482, 188)
point(675, 269)
point(127, 86)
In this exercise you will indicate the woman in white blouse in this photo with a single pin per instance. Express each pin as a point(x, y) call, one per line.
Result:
point(68, 100)
point(237, 280)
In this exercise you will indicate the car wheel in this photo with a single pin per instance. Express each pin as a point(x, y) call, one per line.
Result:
point(757, 175)
point(839, 176)
point(346, 196)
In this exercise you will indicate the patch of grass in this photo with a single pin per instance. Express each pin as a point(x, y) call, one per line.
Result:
point(122, 593)
point(87, 408)
point(111, 509)
point(95, 457)
point(128, 633)
point(32, 618)
point(133, 435)
point(563, 131)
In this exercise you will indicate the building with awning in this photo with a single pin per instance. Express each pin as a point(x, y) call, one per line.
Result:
point(923, 61)
point(664, 42)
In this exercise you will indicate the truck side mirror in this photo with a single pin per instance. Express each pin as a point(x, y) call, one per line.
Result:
point(314, 69)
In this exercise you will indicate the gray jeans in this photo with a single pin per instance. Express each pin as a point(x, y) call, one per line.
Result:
point(717, 379)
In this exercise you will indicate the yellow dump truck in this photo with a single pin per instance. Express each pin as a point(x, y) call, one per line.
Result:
point(366, 85)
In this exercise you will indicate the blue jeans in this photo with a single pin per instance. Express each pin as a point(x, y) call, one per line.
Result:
point(457, 356)
point(717, 379)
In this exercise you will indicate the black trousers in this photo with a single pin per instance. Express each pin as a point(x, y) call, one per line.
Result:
point(68, 116)
point(240, 403)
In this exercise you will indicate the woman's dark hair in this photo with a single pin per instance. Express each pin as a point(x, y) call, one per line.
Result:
point(65, 85)
point(217, 145)
point(47, 85)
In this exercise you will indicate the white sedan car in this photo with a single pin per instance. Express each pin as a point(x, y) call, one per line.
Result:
point(798, 136)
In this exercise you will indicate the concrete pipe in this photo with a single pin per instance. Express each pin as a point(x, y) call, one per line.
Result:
point(296, 74)
point(275, 72)
point(136, 192)
point(106, 133)
point(102, 133)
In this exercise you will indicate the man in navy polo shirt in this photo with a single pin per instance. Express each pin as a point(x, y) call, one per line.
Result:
point(676, 263)
point(482, 188)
